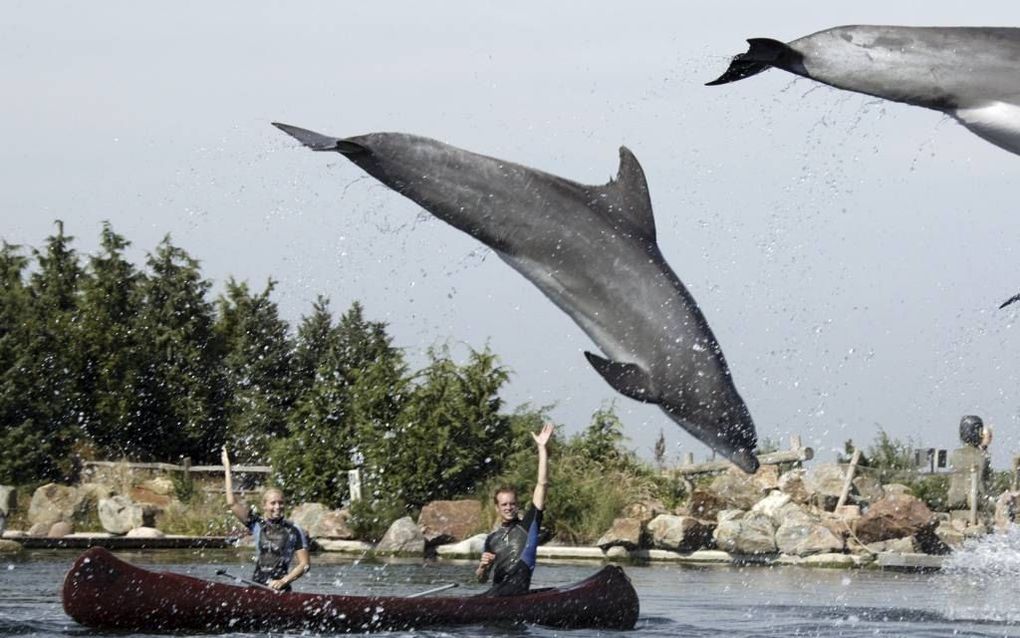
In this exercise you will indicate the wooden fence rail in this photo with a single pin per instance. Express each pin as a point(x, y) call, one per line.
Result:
point(797, 453)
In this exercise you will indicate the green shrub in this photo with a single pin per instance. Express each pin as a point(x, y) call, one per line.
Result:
point(370, 518)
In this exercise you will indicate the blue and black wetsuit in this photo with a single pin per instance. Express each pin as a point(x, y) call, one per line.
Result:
point(275, 541)
point(514, 545)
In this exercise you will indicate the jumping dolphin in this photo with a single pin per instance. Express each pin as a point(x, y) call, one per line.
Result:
point(589, 249)
point(969, 73)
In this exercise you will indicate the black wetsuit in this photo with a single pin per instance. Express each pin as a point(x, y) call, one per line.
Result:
point(514, 545)
point(275, 541)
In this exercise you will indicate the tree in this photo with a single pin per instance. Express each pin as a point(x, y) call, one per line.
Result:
point(312, 344)
point(112, 351)
point(449, 435)
point(257, 369)
point(180, 386)
point(357, 382)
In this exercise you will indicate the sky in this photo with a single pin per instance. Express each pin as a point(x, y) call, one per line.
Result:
point(849, 253)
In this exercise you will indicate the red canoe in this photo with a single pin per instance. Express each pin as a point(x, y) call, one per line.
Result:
point(104, 592)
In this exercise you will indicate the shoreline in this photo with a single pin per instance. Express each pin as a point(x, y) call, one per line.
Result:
point(464, 551)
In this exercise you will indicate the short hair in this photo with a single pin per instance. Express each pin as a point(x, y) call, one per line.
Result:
point(269, 490)
point(503, 489)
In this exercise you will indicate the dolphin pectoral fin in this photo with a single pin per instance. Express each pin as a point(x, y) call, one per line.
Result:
point(762, 54)
point(319, 142)
point(629, 379)
point(1012, 299)
point(625, 201)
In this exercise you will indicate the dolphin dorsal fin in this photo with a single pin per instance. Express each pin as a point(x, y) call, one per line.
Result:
point(625, 201)
point(629, 379)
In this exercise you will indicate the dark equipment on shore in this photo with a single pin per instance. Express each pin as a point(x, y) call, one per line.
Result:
point(103, 592)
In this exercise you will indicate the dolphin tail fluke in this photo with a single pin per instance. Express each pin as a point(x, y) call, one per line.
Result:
point(1012, 299)
point(320, 142)
point(763, 54)
point(629, 379)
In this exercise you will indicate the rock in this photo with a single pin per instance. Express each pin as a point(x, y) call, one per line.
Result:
point(893, 517)
point(802, 536)
point(10, 547)
point(824, 484)
point(39, 530)
point(645, 510)
point(679, 533)
point(894, 546)
point(119, 514)
point(771, 505)
point(145, 532)
point(766, 478)
point(1006, 506)
point(736, 489)
point(467, 548)
point(868, 489)
point(93, 492)
point(450, 521)
point(752, 533)
point(625, 532)
point(848, 513)
point(60, 529)
point(928, 541)
point(318, 521)
point(403, 537)
point(832, 561)
point(14, 533)
point(8, 501)
point(897, 489)
point(52, 502)
point(157, 491)
point(706, 505)
point(792, 483)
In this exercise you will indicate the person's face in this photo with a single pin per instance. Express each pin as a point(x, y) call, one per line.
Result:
point(272, 504)
point(506, 505)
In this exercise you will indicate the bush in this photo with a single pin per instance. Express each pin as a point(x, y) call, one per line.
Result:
point(370, 518)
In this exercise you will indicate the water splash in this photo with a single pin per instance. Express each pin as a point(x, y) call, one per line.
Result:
point(982, 581)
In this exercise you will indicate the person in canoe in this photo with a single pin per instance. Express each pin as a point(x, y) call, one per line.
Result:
point(278, 542)
point(509, 551)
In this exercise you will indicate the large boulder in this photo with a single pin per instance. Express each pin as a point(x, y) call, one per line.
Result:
point(705, 504)
point(750, 533)
point(679, 533)
point(53, 502)
point(824, 484)
point(869, 489)
point(802, 535)
point(318, 521)
point(735, 488)
point(60, 529)
point(625, 532)
point(893, 517)
point(792, 483)
point(157, 491)
point(774, 505)
point(119, 514)
point(402, 537)
point(444, 522)
point(7, 499)
point(766, 478)
point(645, 510)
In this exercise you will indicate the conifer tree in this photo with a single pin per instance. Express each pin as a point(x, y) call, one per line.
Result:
point(180, 384)
point(257, 367)
point(109, 315)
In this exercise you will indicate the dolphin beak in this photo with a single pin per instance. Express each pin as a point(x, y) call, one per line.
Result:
point(745, 460)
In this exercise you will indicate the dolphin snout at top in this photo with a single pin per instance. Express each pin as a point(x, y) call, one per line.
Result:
point(592, 250)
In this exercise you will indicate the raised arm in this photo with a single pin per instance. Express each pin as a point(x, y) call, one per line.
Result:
point(542, 481)
point(239, 510)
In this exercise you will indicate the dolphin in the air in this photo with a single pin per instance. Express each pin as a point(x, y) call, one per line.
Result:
point(592, 251)
point(969, 73)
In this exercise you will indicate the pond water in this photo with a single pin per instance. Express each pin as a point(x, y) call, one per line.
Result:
point(976, 595)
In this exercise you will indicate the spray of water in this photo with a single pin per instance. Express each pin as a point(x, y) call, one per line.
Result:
point(982, 581)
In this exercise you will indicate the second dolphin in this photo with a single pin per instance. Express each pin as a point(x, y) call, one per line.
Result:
point(592, 250)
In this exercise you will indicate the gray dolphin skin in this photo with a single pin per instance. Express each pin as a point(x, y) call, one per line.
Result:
point(969, 73)
point(592, 251)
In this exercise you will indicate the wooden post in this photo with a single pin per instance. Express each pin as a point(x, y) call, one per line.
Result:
point(354, 483)
point(848, 481)
point(973, 495)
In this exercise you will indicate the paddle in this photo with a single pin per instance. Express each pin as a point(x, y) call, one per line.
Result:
point(223, 572)
point(432, 591)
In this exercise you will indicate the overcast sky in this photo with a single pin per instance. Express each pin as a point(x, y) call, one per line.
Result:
point(849, 253)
